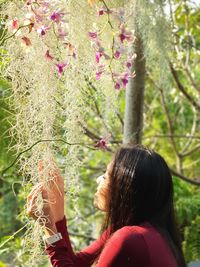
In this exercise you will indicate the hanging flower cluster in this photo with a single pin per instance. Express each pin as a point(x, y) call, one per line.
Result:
point(103, 142)
point(42, 17)
point(121, 49)
point(48, 22)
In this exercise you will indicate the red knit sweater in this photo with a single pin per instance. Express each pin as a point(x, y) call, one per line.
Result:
point(130, 246)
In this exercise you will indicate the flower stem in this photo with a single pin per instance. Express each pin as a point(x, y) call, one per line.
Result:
point(12, 35)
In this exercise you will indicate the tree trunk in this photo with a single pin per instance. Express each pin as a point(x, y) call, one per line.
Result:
point(133, 121)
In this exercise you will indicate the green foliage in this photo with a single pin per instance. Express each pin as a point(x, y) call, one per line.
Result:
point(191, 243)
point(188, 213)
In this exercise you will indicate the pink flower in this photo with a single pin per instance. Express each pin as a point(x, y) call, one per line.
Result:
point(42, 30)
point(98, 56)
point(128, 64)
point(57, 16)
point(124, 82)
point(122, 37)
point(15, 23)
point(117, 86)
point(130, 60)
point(62, 34)
point(26, 41)
point(102, 144)
point(61, 67)
point(125, 35)
point(117, 54)
point(101, 53)
point(98, 75)
point(48, 56)
point(100, 70)
point(101, 12)
point(92, 35)
point(124, 79)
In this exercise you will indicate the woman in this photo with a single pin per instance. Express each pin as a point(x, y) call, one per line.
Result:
point(136, 192)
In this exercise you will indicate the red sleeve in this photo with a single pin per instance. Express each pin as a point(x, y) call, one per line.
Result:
point(61, 253)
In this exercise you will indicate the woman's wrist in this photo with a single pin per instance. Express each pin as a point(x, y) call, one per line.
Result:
point(50, 230)
point(59, 219)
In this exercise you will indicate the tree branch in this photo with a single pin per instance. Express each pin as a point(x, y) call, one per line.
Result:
point(169, 121)
point(182, 89)
point(193, 181)
point(91, 86)
point(194, 149)
point(90, 134)
point(120, 119)
point(43, 141)
point(193, 130)
point(174, 136)
point(193, 82)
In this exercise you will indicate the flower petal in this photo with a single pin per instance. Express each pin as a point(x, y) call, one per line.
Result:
point(92, 35)
point(26, 41)
point(117, 86)
point(117, 54)
point(48, 56)
point(98, 75)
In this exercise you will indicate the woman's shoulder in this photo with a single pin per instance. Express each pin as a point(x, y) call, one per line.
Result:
point(130, 240)
point(135, 229)
point(133, 233)
point(142, 242)
point(126, 247)
point(136, 235)
point(142, 237)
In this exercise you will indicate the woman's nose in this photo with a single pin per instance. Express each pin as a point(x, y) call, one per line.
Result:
point(98, 180)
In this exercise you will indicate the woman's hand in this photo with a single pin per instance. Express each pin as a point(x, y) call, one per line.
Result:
point(38, 208)
point(46, 201)
point(55, 190)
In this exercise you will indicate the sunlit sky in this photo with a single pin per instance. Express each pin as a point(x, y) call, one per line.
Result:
point(195, 3)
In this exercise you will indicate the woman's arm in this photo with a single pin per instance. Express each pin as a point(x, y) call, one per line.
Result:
point(61, 251)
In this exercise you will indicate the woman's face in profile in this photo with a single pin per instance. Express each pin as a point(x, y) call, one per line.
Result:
point(101, 197)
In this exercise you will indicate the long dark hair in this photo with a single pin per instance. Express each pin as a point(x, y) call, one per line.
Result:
point(141, 190)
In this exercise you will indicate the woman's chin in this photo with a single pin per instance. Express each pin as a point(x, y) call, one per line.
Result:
point(95, 203)
point(98, 206)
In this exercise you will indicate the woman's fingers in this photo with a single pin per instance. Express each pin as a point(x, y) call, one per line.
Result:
point(40, 165)
point(34, 190)
point(50, 166)
point(32, 198)
point(47, 199)
point(53, 173)
point(37, 201)
point(32, 207)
